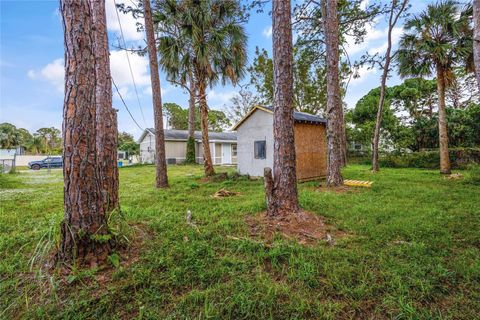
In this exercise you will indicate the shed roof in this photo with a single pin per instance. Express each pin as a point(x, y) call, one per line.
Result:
point(301, 117)
point(182, 135)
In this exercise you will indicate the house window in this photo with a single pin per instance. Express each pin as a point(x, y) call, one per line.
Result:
point(260, 149)
point(234, 150)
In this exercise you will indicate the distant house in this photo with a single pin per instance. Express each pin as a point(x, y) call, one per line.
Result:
point(255, 143)
point(223, 146)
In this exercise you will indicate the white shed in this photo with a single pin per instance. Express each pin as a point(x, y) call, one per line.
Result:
point(255, 143)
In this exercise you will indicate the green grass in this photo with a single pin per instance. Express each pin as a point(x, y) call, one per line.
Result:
point(413, 252)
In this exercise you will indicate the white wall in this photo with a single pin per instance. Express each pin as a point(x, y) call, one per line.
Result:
point(147, 149)
point(257, 127)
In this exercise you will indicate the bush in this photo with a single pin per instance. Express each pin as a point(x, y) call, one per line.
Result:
point(190, 157)
point(460, 158)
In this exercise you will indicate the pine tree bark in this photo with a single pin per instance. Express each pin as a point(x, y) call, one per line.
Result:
point(268, 181)
point(106, 117)
point(84, 231)
point(335, 127)
point(476, 39)
point(207, 156)
point(285, 194)
point(442, 123)
point(161, 163)
point(191, 120)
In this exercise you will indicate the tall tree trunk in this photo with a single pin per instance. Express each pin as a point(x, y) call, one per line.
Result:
point(161, 163)
point(335, 130)
point(84, 228)
point(442, 123)
point(343, 145)
point(476, 39)
point(106, 118)
point(207, 156)
point(190, 158)
point(392, 21)
point(285, 195)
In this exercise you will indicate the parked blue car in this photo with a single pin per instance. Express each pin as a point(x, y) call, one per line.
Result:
point(50, 162)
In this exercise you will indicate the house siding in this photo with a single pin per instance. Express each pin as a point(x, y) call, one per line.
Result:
point(174, 150)
point(257, 127)
point(147, 149)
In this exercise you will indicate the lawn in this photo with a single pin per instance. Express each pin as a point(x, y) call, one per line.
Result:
point(412, 251)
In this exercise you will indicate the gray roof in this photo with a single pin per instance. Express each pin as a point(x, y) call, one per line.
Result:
point(183, 135)
point(304, 117)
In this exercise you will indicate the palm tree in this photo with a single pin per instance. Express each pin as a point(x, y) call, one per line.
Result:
point(36, 145)
point(9, 136)
point(435, 42)
point(176, 58)
point(216, 43)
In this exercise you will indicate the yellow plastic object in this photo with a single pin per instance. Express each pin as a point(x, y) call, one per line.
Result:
point(357, 183)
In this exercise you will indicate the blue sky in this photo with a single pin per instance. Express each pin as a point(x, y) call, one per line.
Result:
point(31, 65)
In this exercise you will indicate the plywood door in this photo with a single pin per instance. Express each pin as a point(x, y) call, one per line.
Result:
point(311, 151)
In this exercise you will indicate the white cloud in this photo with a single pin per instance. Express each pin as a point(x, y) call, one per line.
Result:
point(396, 34)
point(372, 34)
point(31, 74)
point(127, 21)
point(121, 71)
point(165, 90)
point(5, 64)
point(267, 32)
point(54, 73)
point(375, 40)
point(363, 4)
point(361, 75)
point(218, 99)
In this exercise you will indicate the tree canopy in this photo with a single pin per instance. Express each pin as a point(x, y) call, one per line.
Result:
point(44, 140)
point(178, 118)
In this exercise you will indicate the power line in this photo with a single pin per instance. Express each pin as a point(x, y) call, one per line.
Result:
point(125, 105)
point(128, 60)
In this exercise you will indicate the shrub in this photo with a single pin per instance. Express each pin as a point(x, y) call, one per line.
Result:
point(190, 157)
point(460, 158)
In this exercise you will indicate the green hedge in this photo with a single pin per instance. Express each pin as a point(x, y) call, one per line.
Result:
point(460, 158)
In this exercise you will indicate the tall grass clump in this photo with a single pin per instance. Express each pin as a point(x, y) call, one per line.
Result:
point(473, 175)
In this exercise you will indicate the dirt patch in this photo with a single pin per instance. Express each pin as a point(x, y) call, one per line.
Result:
point(223, 193)
point(454, 176)
point(304, 227)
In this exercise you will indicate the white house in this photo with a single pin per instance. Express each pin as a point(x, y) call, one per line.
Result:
point(223, 146)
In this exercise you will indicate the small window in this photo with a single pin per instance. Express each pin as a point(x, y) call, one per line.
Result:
point(260, 149)
point(234, 150)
